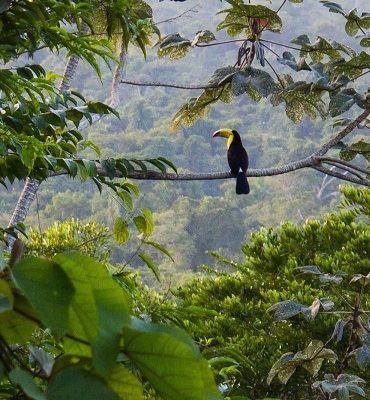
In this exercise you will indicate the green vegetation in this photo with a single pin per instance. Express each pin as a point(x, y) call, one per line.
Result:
point(310, 279)
point(287, 318)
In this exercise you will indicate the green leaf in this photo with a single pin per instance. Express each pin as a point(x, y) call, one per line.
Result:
point(48, 289)
point(130, 186)
point(25, 380)
point(311, 358)
point(365, 41)
point(6, 296)
point(174, 46)
point(333, 7)
point(17, 325)
point(140, 223)
point(125, 383)
point(238, 18)
point(69, 165)
point(90, 167)
point(145, 223)
point(44, 360)
point(169, 359)
point(301, 40)
point(361, 147)
point(342, 102)
point(310, 269)
point(363, 356)
point(127, 199)
point(76, 384)
point(205, 36)
point(343, 384)
point(157, 164)
point(282, 369)
point(120, 230)
point(161, 248)
point(151, 264)
point(169, 163)
point(354, 66)
point(98, 309)
point(149, 222)
point(110, 167)
point(286, 309)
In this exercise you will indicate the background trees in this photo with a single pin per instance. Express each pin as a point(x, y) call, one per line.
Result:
point(243, 338)
point(66, 312)
point(40, 136)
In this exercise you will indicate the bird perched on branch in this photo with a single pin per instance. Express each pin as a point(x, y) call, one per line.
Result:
point(237, 157)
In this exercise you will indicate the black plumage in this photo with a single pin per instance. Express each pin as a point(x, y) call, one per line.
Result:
point(237, 158)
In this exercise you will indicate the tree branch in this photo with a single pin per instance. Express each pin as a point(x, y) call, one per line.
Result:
point(343, 133)
point(313, 162)
point(169, 85)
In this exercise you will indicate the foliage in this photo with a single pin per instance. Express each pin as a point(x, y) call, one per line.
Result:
point(297, 273)
point(39, 121)
point(332, 67)
point(106, 351)
point(66, 312)
point(91, 239)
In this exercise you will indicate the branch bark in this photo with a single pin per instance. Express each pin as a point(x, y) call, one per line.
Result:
point(313, 162)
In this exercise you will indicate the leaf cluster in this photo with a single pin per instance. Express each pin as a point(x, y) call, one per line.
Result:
point(106, 351)
point(331, 84)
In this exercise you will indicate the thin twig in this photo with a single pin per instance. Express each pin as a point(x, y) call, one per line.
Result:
point(169, 20)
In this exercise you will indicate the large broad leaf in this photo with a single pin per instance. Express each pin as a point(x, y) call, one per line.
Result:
point(342, 102)
point(48, 289)
point(26, 382)
point(110, 167)
point(151, 265)
point(6, 296)
point(174, 46)
point(238, 18)
point(311, 358)
point(144, 223)
point(286, 309)
point(354, 66)
point(120, 230)
point(169, 359)
point(98, 311)
point(77, 384)
point(363, 353)
point(344, 384)
point(17, 325)
point(125, 383)
point(253, 78)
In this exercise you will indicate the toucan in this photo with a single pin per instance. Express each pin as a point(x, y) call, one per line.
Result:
point(237, 157)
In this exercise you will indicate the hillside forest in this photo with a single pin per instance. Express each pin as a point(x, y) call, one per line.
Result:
point(137, 271)
point(192, 218)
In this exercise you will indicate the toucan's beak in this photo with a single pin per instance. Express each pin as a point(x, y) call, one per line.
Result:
point(222, 132)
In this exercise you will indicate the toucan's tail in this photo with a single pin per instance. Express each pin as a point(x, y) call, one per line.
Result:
point(242, 185)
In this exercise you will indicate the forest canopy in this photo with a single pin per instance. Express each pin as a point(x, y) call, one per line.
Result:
point(99, 199)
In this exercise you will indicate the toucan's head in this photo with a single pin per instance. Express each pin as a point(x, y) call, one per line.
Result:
point(226, 133)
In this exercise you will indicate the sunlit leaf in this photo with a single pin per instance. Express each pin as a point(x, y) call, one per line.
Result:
point(151, 265)
point(120, 230)
point(168, 357)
